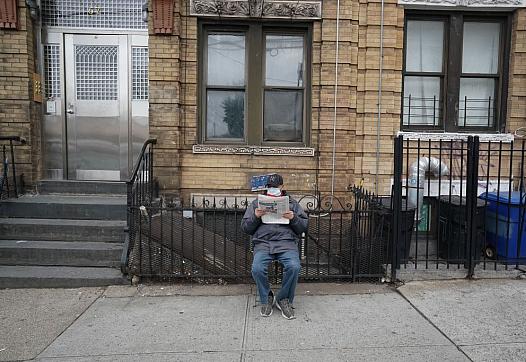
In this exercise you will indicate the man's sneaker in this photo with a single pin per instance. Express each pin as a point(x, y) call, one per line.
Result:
point(266, 309)
point(285, 308)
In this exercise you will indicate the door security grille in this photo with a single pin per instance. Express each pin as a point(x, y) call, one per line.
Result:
point(99, 14)
point(52, 70)
point(139, 73)
point(96, 72)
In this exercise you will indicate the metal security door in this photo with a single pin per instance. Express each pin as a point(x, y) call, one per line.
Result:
point(96, 77)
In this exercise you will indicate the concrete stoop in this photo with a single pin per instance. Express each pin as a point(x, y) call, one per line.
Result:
point(69, 235)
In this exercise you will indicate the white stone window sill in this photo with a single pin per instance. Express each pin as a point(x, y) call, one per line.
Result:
point(254, 150)
point(450, 136)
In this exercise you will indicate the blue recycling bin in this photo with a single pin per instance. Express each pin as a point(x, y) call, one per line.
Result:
point(506, 225)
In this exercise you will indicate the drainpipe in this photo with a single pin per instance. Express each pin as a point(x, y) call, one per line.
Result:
point(417, 180)
point(380, 75)
point(335, 97)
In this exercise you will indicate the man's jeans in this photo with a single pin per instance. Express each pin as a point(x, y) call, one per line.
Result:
point(291, 269)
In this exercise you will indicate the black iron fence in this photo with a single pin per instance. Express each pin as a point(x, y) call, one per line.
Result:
point(204, 240)
point(11, 183)
point(459, 204)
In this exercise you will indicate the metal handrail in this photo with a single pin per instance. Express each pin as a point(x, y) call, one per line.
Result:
point(150, 141)
point(4, 177)
point(136, 188)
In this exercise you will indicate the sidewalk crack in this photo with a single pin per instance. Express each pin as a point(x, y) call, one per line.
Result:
point(434, 325)
point(245, 327)
point(74, 320)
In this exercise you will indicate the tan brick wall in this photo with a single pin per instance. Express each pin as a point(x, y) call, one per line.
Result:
point(174, 113)
point(517, 79)
point(19, 115)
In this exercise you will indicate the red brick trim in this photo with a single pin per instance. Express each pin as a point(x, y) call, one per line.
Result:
point(8, 14)
point(163, 18)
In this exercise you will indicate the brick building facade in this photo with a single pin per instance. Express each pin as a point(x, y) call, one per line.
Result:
point(20, 115)
point(338, 145)
point(174, 102)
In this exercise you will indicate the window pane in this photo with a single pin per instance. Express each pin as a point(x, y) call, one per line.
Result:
point(422, 102)
point(480, 52)
point(283, 118)
point(225, 114)
point(226, 60)
point(284, 61)
point(477, 102)
point(425, 45)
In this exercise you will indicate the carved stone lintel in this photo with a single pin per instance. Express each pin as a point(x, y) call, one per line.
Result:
point(254, 150)
point(257, 8)
point(448, 136)
point(466, 3)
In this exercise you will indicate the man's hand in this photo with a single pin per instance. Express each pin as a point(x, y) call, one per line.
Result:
point(288, 215)
point(259, 212)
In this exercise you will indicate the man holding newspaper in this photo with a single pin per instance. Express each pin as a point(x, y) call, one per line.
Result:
point(275, 222)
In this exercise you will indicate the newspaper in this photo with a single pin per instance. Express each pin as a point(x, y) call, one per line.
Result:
point(275, 208)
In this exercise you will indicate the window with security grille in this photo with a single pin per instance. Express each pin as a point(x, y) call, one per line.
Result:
point(139, 73)
point(96, 73)
point(254, 84)
point(99, 14)
point(455, 70)
point(52, 70)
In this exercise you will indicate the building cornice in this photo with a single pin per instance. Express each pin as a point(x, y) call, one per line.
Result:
point(269, 9)
point(465, 3)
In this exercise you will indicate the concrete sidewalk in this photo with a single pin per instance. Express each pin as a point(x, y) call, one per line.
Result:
point(459, 320)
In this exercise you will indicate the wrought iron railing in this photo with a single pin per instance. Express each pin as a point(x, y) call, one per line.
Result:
point(427, 111)
point(11, 184)
point(140, 194)
point(204, 241)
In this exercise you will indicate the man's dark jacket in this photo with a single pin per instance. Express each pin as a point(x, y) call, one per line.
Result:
point(275, 238)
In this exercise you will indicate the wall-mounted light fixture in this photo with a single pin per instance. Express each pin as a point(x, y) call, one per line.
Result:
point(34, 10)
point(145, 11)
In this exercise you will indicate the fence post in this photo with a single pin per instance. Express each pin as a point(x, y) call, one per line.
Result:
point(397, 205)
point(471, 201)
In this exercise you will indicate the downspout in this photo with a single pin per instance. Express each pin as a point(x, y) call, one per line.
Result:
point(335, 97)
point(380, 76)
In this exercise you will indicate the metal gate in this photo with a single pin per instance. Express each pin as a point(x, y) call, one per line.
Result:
point(459, 206)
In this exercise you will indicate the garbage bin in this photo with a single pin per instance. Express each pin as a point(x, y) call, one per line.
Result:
point(452, 235)
point(407, 220)
point(505, 225)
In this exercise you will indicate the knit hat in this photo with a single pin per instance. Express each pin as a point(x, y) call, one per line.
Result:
point(274, 180)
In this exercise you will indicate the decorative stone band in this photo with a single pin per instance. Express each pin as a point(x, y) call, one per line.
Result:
point(293, 9)
point(255, 150)
point(436, 136)
point(465, 3)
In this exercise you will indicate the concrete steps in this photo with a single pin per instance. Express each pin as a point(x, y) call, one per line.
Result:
point(69, 235)
point(55, 253)
point(58, 277)
point(69, 206)
point(45, 187)
point(62, 229)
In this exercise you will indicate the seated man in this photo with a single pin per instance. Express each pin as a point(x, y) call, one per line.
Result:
point(276, 242)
